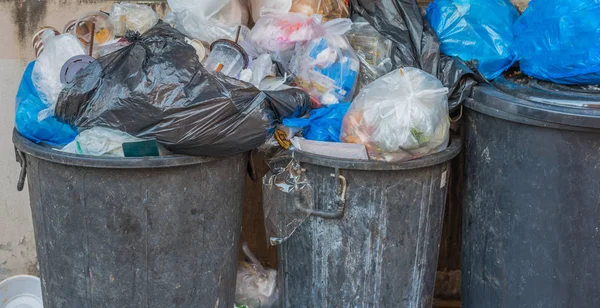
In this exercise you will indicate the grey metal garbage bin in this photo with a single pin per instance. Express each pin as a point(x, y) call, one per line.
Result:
point(134, 232)
point(531, 216)
point(376, 244)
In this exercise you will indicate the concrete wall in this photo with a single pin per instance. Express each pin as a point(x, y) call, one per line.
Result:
point(19, 19)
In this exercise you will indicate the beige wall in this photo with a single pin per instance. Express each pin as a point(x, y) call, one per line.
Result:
point(19, 19)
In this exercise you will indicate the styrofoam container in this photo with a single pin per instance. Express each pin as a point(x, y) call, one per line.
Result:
point(21, 291)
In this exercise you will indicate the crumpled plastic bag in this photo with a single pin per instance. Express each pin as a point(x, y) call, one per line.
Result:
point(373, 51)
point(476, 30)
point(260, 7)
point(276, 32)
point(130, 16)
point(258, 69)
point(256, 286)
point(46, 73)
point(400, 116)
point(329, 9)
point(323, 124)
point(559, 41)
point(100, 141)
point(209, 20)
point(28, 106)
point(327, 66)
point(288, 199)
point(155, 88)
point(415, 44)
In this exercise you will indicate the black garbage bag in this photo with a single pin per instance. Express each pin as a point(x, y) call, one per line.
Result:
point(155, 88)
point(415, 44)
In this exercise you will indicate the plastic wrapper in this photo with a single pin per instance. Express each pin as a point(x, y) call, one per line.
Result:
point(155, 88)
point(400, 116)
point(323, 124)
point(46, 73)
point(100, 141)
point(373, 51)
point(329, 9)
point(209, 20)
point(287, 199)
point(135, 17)
point(559, 41)
point(28, 106)
point(476, 30)
point(328, 68)
point(415, 44)
point(256, 286)
point(281, 31)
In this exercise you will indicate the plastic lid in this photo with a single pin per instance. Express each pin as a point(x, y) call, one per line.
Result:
point(73, 66)
point(523, 99)
point(21, 291)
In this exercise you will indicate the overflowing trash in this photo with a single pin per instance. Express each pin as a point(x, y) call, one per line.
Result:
point(256, 286)
point(476, 31)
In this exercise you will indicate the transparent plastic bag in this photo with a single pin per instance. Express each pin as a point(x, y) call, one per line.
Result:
point(329, 9)
point(259, 7)
point(287, 199)
point(258, 69)
point(400, 116)
point(256, 286)
point(373, 50)
point(46, 72)
point(100, 141)
point(476, 30)
point(281, 31)
point(559, 41)
point(209, 20)
point(135, 17)
point(327, 68)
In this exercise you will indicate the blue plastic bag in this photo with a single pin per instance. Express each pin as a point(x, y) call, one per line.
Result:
point(29, 105)
point(479, 30)
point(323, 124)
point(559, 41)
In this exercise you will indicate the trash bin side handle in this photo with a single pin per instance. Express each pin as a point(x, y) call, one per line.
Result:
point(339, 201)
point(21, 159)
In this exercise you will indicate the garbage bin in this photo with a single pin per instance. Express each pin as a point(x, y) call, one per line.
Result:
point(373, 238)
point(134, 232)
point(531, 212)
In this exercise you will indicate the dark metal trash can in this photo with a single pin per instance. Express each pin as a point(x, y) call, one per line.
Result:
point(379, 248)
point(531, 196)
point(134, 232)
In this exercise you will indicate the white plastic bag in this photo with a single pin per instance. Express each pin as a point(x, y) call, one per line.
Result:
point(255, 285)
point(208, 20)
point(260, 7)
point(400, 116)
point(135, 17)
point(46, 72)
point(100, 141)
point(258, 69)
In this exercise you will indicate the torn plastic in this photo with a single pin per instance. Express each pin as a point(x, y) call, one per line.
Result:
point(328, 68)
point(476, 30)
point(28, 107)
point(400, 116)
point(559, 41)
point(46, 73)
point(256, 286)
point(209, 20)
point(323, 124)
point(155, 88)
point(134, 17)
point(277, 32)
point(100, 141)
point(373, 51)
point(287, 199)
point(414, 44)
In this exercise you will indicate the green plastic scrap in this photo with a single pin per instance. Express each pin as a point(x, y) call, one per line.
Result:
point(419, 136)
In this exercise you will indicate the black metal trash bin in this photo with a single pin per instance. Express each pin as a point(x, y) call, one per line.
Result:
point(380, 247)
point(134, 232)
point(531, 213)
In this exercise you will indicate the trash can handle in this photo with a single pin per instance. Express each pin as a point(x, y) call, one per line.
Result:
point(21, 159)
point(339, 201)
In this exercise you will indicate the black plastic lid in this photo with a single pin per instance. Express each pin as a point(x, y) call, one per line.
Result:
point(526, 100)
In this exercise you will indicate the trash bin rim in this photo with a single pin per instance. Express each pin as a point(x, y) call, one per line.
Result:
point(46, 153)
point(373, 165)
